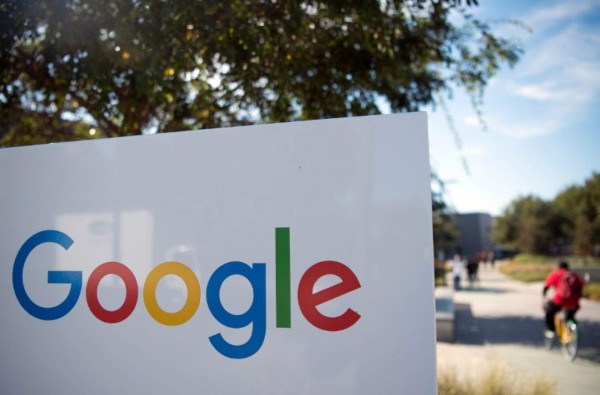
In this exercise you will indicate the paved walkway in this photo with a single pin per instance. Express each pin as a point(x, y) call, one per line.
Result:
point(500, 322)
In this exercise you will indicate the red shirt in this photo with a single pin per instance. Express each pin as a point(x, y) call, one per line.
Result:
point(553, 280)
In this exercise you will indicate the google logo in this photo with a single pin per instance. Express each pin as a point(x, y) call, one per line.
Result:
point(255, 274)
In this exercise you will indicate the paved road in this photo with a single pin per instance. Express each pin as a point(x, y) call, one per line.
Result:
point(501, 321)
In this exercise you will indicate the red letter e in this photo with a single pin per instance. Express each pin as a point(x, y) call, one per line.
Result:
point(308, 301)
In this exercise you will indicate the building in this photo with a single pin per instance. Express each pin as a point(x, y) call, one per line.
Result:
point(475, 232)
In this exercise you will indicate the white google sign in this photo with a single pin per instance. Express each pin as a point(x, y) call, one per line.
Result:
point(289, 258)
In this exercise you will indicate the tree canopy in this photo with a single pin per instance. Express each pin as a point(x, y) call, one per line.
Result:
point(72, 69)
point(445, 233)
point(568, 223)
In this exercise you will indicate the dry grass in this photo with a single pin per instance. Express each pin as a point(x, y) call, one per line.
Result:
point(538, 271)
point(592, 291)
point(575, 261)
point(527, 272)
point(497, 379)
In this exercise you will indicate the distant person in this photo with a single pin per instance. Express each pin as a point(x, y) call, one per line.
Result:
point(457, 267)
point(473, 269)
point(492, 258)
point(568, 288)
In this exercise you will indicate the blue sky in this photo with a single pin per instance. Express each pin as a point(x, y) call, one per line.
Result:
point(542, 116)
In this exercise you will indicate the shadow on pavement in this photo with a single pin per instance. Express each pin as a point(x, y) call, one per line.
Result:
point(522, 330)
point(483, 290)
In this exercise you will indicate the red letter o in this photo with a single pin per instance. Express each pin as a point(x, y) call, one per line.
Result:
point(131, 292)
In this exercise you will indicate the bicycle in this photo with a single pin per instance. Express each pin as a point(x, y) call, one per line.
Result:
point(567, 334)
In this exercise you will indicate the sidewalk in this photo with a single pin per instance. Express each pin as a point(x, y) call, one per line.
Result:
point(501, 322)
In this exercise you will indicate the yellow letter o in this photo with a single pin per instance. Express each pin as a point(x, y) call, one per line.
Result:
point(193, 293)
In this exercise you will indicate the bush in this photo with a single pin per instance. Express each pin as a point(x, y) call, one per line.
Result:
point(439, 271)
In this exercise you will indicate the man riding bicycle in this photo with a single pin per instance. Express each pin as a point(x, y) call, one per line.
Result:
point(568, 288)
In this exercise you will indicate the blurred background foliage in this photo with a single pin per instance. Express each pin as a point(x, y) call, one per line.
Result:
point(80, 69)
point(445, 233)
point(569, 223)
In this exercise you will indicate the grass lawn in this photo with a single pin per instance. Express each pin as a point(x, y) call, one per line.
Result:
point(574, 261)
point(531, 268)
point(527, 271)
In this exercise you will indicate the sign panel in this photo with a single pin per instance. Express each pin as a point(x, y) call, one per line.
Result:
point(287, 258)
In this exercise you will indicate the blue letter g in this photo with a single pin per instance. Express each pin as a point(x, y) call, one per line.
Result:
point(54, 277)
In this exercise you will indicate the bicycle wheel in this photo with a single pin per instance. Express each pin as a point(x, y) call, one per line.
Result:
point(570, 341)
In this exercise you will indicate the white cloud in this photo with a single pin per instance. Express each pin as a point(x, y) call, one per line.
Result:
point(471, 120)
point(528, 128)
point(558, 76)
point(560, 11)
point(533, 91)
point(472, 151)
point(554, 90)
